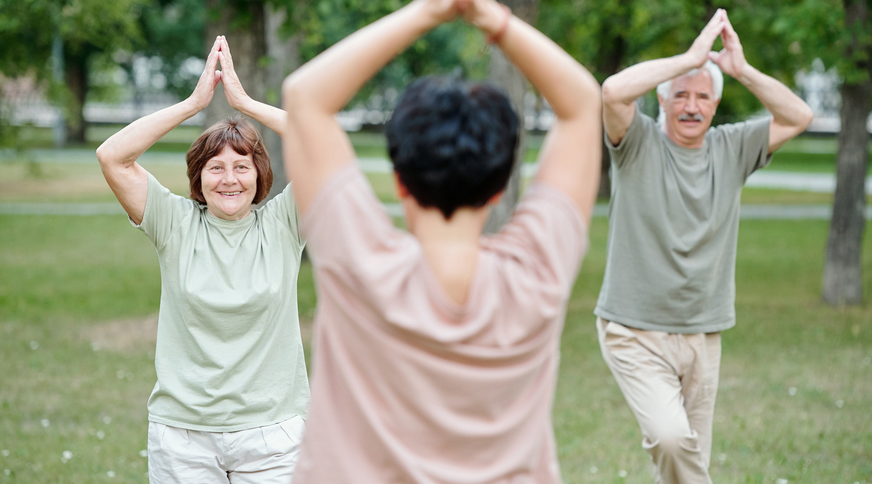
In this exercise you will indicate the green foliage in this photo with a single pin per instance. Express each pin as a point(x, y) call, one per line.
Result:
point(86, 27)
point(442, 51)
point(174, 30)
point(820, 29)
point(90, 31)
point(609, 36)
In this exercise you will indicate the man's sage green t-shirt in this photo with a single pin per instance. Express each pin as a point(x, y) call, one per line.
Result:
point(674, 224)
point(229, 354)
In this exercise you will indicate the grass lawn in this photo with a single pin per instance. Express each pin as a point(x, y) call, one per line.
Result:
point(77, 321)
point(79, 295)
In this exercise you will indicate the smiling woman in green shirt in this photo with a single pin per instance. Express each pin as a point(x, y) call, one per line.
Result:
point(232, 391)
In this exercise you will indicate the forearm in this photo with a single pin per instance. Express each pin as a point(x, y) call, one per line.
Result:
point(329, 81)
point(636, 81)
point(787, 108)
point(126, 146)
point(270, 116)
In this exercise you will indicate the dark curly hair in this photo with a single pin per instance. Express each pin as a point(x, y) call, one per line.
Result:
point(244, 139)
point(452, 143)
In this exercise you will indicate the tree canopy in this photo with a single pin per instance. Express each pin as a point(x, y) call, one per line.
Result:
point(89, 31)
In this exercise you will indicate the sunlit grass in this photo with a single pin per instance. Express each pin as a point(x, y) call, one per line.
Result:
point(79, 294)
point(796, 379)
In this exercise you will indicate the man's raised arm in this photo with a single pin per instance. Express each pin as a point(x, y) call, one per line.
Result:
point(790, 114)
point(621, 90)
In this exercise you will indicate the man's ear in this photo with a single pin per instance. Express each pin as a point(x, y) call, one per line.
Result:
point(402, 191)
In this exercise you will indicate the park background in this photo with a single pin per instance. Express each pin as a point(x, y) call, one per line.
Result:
point(80, 288)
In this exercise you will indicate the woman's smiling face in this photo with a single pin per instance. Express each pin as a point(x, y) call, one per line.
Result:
point(229, 184)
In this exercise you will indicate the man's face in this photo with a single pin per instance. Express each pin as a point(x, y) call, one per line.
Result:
point(689, 109)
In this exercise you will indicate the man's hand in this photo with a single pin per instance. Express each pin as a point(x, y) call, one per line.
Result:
point(233, 89)
point(731, 59)
point(205, 89)
point(701, 49)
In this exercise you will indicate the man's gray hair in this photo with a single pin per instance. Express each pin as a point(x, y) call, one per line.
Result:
point(717, 84)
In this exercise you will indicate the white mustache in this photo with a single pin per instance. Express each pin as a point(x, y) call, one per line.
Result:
point(691, 117)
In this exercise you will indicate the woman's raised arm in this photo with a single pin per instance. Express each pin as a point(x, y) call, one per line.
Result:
point(570, 157)
point(118, 154)
point(315, 145)
point(270, 116)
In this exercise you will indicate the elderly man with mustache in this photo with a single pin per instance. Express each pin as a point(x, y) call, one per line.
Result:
point(669, 285)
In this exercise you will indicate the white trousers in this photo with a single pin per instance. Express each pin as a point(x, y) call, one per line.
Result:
point(670, 382)
point(262, 455)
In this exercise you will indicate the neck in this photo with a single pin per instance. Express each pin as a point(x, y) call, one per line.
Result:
point(450, 246)
point(683, 142)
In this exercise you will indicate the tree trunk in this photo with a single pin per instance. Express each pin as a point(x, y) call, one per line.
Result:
point(510, 79)
point(284, 55)
point(610, 59)
point(843, 282)
point(248, 46)
point(77, 81)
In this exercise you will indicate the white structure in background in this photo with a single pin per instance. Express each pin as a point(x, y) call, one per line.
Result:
point(820, 89)
point(145, 94)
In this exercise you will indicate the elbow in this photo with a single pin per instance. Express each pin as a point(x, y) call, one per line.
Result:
point(807, 117)
point(608, 91)
point(104, 154)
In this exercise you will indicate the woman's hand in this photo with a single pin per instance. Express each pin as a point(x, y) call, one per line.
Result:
point(488, 15)
point(233, 89)
point(202, 95)
point(444, 10)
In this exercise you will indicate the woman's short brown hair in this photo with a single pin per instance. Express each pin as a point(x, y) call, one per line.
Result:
point(243, 139)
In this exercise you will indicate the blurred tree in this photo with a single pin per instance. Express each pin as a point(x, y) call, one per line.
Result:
point(173, 32)
point(611, 35)
point(449, 48)
point(88, 32)
point(502, 73)
point(840, 34)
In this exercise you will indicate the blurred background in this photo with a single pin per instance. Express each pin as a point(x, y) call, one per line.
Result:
point(79, 290)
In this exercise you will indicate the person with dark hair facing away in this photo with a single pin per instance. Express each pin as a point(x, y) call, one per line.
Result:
point(436, 349)
point(232, 390)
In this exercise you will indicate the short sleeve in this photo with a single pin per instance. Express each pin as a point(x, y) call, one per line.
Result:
point(749, 142)
point(631, 145)
point(756, 139)
point(163, 210)
point(346, 225)
point(547, 234)
point(283, 207)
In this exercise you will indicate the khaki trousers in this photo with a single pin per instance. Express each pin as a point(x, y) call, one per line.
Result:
point(670, 382)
